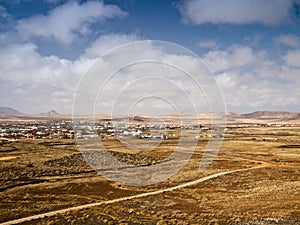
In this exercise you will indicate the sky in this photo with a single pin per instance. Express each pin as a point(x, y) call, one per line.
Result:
point(250, 47)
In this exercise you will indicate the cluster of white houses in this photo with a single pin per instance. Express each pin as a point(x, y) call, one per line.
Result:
point(109, 130)
point(41, 129)
point(60, 129)
point(66, 129)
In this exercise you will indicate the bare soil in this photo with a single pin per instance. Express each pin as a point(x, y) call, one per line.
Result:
point(45, 175)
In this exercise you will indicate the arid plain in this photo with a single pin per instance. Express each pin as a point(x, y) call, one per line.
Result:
point(254, 179)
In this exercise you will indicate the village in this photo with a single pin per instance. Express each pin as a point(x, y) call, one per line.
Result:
point(39, 129)
point(65, 129)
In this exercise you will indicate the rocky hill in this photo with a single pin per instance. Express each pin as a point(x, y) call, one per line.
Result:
point(9, 111)
point(50, 113)
point(270, 115)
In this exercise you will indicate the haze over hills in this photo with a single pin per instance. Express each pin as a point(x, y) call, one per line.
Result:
point(270, 114)
point(265, 116)
point(50, 113)
point(9, 111)
point(12, 111)
point(260, 117)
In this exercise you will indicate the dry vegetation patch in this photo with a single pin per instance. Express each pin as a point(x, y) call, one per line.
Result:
point(44, 175)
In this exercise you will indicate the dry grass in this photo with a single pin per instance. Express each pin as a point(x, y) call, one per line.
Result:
point(30, 184)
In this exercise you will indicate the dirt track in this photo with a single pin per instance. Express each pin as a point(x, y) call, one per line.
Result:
point(52, 213)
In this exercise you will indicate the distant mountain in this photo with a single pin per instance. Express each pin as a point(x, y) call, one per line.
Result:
point(9, 111)
point(137, 119)
point(50, 113)
point(226, 114)
point(296, 117)
point(231, 114)
point(270, 114)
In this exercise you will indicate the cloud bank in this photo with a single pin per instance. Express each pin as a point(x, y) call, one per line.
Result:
point(251, 80)
point(268, 12)
point(289, 40)
point(251, 77)
point(34, 83)
point(67, 21)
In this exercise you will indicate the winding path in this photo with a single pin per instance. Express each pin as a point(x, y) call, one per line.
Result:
point(61, 211)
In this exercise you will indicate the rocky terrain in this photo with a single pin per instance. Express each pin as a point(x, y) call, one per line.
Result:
point(45, 175)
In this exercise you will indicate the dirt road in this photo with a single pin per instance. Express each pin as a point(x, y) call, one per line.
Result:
point(61, 211)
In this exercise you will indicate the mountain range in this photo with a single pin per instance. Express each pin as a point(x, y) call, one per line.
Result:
point(9, 111)
point(265, 116)
point(50, 113)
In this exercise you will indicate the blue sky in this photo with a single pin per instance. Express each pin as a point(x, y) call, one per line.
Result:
point(251, 46)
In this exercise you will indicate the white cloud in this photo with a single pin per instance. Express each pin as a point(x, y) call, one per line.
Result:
point(251, 81)
point(3, 13)
point(29, 80)
point(138, 82)
point(65, 22)
point(6, 20)
point(233, 57)
point(34, 83)
point(288, 40)
point(269, 12)
point(247, 91)
point(53, 1)
point(108, 42)
point(292, 58)
point(208, 44)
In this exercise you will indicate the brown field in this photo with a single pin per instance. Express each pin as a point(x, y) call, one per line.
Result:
point(44, 175)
